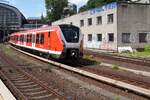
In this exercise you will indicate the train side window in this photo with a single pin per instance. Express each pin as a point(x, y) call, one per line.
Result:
point(42, 39)
point(18, 38)
point(33, 38)
point(49, 33)
point(25, 38)
point(22, 38)
point(37, 38)
point(30, 37)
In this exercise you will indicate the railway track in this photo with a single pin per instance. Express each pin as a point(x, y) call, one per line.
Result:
point(133, 60)
point(113, 81)
point(115, 76)
point(23, 85)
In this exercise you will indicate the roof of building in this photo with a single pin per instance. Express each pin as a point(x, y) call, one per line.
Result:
point(15, 10)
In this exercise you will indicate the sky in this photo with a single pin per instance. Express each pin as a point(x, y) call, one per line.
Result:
point(35, 8)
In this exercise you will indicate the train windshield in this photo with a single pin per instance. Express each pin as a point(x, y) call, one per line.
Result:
point(71, 33)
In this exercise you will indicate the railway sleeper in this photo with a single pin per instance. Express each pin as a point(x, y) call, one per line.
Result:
point(28, 86)
point(32, 89)
point(23, 84)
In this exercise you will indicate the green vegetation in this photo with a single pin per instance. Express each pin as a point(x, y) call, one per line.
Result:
point(145, 53)
point(57, 9)
point(96, 3)
point(7, 50)
point(117, 98)
point(54, 8)
point(115, 67)
point(89, 59)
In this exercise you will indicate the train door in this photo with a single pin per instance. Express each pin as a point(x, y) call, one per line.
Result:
point(25, 39)
point(53, 41)
point(33, 40)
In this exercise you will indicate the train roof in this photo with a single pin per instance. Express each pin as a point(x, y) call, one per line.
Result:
point(45, 29)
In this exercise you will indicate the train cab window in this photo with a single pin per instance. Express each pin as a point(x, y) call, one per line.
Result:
point(49, 33)
point(37, 38)
point(71, 33)
point(42, 39)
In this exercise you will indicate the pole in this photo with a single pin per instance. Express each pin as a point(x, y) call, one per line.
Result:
point(4, 24)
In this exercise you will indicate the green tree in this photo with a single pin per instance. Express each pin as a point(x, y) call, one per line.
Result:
point(95, 3)
point(54, 9)
point(83, 8)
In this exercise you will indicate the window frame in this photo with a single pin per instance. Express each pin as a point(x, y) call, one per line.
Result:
point(110, 18)
point(99, 39)
point(126, 39)
point(89, 37)
point(42, 38)
point(109, 39)
point(37, 38)
point(90, 21)
point(99, 20)
point(143, 41)
point(81, 23)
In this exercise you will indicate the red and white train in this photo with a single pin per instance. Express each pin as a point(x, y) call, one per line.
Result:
point(62, 41)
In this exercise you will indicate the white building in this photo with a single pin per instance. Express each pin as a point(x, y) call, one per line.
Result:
point(113, 25)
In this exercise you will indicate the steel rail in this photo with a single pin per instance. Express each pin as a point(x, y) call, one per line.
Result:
point(133, 60)
point(136, 89)
point(33, 79)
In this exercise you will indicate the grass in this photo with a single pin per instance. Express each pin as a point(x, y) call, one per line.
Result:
point(145, 53)
point(90, 58)
point(7, 50)
point(115, 67)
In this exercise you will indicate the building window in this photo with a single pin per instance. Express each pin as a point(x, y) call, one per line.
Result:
point(142, 37)
point(99, 37)
point(110, 18)
point(126, 37)
point(81, 23)
point(89, 21)
point(110, 37)
point(99, 20)
point(89, 37)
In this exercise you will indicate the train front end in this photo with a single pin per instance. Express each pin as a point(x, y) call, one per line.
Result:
point(72, 41)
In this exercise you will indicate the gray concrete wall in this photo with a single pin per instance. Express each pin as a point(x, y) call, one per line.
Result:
point(134, 19)
point(94, 29)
